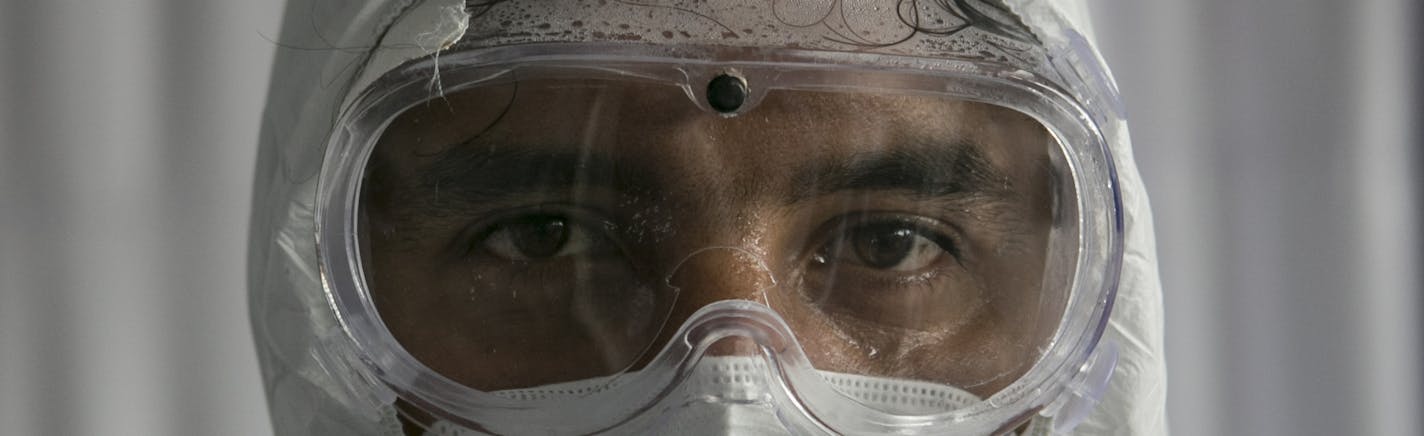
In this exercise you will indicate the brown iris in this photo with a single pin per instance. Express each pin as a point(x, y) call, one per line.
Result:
point(540, 237)
point(883, 246)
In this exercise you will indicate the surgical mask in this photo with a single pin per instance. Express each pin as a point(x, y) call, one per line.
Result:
point(733, 395)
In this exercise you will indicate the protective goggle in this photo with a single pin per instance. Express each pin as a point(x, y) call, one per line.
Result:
point(576, 239)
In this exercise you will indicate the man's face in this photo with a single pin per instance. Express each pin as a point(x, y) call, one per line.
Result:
point(519, 235)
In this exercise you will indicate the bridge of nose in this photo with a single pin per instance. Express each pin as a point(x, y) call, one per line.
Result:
point(714, 274)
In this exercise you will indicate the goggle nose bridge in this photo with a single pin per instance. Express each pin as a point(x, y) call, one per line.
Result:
point(726, 261)
point(739, 320)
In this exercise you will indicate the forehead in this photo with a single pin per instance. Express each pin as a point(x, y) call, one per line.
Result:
point(656, 120)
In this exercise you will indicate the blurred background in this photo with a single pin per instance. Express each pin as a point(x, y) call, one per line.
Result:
point(1279, 141)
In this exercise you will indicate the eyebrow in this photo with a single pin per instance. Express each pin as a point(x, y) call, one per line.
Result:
point(923, 171)
point(474, 175)
point(479, 174)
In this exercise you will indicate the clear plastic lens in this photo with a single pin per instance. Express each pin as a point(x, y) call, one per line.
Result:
point(525, 233)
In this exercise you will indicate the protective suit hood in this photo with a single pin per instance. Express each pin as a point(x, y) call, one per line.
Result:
point(317, 384)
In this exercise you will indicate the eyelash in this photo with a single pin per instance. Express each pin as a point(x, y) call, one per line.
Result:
point(842, 229)
point(478, 234)
point(839, 230)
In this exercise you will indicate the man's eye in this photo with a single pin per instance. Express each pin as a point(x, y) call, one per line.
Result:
point(894, 246)
point(539, 237)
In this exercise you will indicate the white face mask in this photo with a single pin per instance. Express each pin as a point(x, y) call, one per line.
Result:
point(732, 395)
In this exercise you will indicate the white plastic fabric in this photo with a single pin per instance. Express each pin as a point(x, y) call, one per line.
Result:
point(1136, 401)
point(313, 386)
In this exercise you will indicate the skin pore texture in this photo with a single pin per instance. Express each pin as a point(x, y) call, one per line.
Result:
point(521, 234)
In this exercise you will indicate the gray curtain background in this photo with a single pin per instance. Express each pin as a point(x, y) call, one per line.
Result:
point(1278, 140)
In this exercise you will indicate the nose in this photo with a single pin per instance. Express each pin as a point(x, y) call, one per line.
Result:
point(714, 274)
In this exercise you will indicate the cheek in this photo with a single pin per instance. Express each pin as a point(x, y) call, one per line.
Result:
point(399, 285)
point(1016, 286)
point(982, 361)
point(410, 289)
point(995, 342)
point(826, 345)
point(1017, 319)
